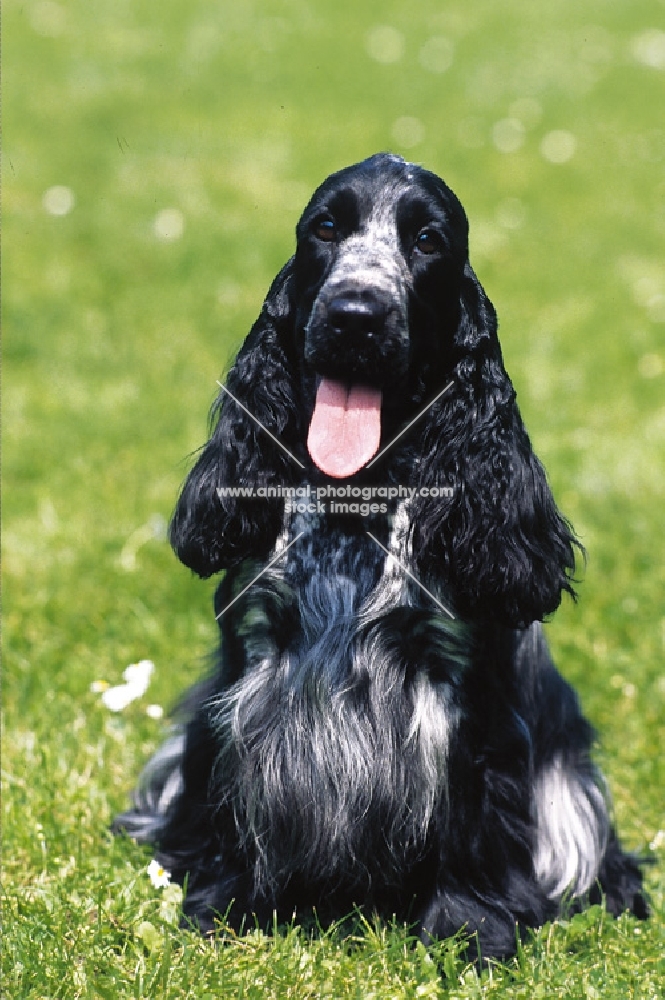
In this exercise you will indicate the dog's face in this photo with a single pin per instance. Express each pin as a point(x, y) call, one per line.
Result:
point(380, 256)
point(378, 242)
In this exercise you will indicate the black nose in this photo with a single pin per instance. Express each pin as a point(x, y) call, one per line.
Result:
point(350, 315)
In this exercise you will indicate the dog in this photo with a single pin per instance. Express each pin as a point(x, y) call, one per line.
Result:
point(384, 726)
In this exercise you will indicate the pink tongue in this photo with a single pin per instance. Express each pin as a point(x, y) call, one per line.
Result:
point(346, 427)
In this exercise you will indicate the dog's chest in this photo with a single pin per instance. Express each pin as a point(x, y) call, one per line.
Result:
point(335, 745)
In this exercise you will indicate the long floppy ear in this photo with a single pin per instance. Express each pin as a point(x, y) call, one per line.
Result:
point(506, 550)
point(213, 530)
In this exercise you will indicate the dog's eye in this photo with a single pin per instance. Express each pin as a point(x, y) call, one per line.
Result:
point(428, 242)
point(325, 229)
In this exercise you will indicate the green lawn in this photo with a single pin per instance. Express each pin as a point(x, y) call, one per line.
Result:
point(156, 158)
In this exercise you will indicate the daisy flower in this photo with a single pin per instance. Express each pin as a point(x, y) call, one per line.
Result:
point(158, 875)
point(137, 678)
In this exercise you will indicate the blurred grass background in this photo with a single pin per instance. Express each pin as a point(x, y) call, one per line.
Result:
point(155, 161)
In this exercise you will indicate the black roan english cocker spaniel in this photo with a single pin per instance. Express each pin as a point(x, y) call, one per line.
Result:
point(384, 727)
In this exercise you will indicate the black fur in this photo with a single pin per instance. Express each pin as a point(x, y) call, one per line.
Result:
point(356, 745)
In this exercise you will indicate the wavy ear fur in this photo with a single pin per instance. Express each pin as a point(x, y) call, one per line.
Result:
point(208, 532)
point(507, 551)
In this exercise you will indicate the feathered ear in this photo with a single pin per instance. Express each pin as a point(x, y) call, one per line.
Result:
point(212, 530)
point(506, 550)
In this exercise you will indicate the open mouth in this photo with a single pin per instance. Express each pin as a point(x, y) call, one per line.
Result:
point(345, 429)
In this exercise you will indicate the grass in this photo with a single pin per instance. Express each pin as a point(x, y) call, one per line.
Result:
point(229, 113)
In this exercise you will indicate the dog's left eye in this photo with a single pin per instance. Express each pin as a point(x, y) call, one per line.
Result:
point(325, 229)
point(428, 242)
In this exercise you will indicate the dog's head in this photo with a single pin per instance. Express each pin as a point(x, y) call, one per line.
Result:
point(381, 250)
point(377, 311)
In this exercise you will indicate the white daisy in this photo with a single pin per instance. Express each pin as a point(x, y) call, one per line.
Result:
point(158, 875)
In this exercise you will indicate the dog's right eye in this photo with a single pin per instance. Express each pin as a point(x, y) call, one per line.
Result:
point(325, 229)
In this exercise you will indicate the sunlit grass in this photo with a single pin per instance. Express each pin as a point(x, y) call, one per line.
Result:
point(155, 161)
